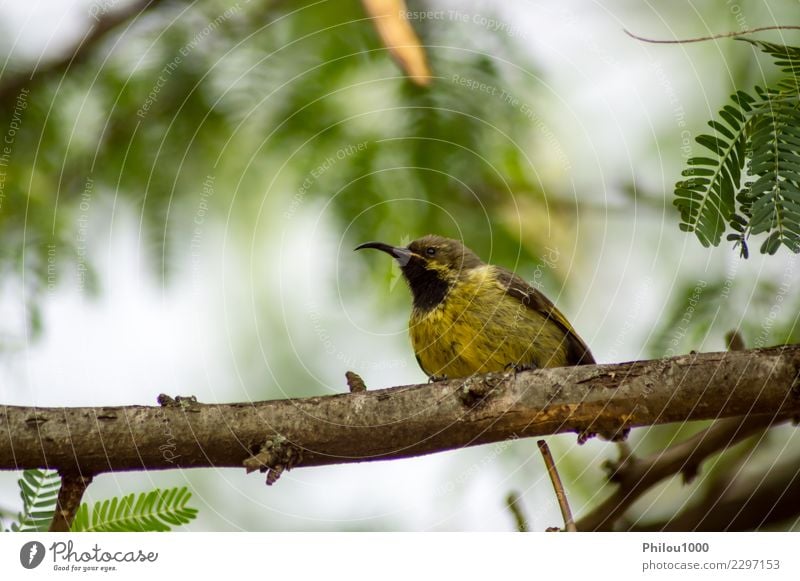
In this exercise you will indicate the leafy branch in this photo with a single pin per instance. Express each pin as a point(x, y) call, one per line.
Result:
point(750, 181)
point(154, 511)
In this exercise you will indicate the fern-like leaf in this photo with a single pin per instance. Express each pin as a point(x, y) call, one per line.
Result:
point(761, 133)
point(774, 196)
point(706, 198)
point(786, 57)
point(154, 511)
point(39, 492)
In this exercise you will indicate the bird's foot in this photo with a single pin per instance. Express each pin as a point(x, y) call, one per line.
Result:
point(435, 378)
point(520, 367)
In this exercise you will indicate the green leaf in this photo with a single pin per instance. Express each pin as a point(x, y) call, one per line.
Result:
point(39, 492)
point(771, 244)
point(154, 511)
point(722, 129)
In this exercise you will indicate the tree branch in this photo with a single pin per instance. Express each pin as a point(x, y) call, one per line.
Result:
point(558, 487)
point(401, 422)
point(731, 34)
point(758, 503)
point(636, 476)
point(514, 504)
point(69, 500)
point(78, 53)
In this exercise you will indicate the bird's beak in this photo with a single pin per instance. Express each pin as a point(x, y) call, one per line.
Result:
point(401, 255)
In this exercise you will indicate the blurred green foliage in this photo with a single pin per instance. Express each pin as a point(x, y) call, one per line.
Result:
point(279, 112)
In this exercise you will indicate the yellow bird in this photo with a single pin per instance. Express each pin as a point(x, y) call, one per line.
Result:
point(471, 317)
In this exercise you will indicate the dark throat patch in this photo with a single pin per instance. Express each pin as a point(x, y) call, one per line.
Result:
point(428, 288)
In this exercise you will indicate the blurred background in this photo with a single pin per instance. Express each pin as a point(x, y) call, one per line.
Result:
point(183, 184)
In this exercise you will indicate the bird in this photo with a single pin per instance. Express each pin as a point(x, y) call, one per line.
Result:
point(469, 317)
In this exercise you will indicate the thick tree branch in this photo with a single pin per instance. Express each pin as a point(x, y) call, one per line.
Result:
point(403, 421)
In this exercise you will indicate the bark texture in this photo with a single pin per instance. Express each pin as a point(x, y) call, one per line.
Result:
point(404, 421)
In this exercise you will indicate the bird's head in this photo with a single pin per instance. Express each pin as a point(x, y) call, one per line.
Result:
point(431, 265)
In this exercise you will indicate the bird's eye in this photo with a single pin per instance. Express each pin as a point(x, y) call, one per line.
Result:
point(430, 251)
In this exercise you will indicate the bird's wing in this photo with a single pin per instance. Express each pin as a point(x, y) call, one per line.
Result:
point(577, 351)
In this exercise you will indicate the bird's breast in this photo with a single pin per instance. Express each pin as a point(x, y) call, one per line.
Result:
point(479, 328)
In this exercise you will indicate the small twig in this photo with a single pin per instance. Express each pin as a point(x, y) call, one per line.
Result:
point(515, 508)
point(712, 37)
point(728, 470)
point(735, 341)
point(275, 456)
point(561, 495)
point(69, 499)
point(179, 401)
point(625, 451)
point(354, 382)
